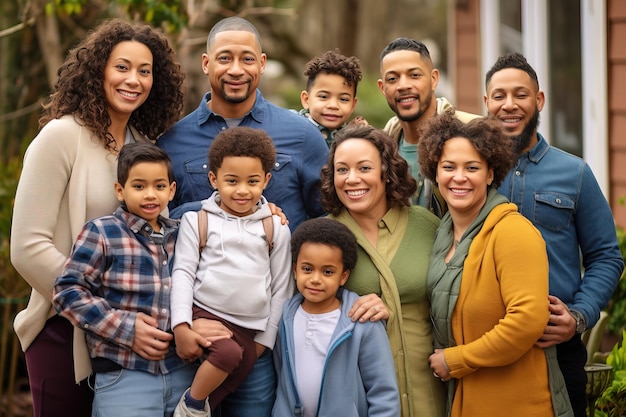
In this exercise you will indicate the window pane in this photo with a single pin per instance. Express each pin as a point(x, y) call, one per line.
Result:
point(565, 95)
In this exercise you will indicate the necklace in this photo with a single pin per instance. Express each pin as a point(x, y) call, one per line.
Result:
point(110, 143)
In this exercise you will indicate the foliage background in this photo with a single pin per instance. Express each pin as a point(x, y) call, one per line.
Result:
point(35, 36)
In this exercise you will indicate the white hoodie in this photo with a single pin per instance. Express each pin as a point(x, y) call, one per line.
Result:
point(234, 277)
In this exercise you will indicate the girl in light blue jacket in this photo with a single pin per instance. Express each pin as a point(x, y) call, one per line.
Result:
point(328, 365)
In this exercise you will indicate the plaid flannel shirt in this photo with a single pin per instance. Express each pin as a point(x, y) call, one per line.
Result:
point(116, 270)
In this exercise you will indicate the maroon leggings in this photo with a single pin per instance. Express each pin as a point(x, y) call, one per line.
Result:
point(50, 364)
point(236, 356)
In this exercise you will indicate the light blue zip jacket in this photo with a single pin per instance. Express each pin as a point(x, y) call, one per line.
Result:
point(359, 377)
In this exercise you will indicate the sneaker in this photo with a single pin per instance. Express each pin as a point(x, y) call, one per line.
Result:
point(182, 410)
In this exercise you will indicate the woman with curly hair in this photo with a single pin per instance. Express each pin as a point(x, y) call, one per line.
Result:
point(487, 280)
point(120, 84)
point(366, 185)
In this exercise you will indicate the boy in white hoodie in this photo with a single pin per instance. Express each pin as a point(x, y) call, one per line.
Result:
point(241, 277)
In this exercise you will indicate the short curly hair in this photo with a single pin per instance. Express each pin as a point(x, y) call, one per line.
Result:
point(485, 134)
point(333, 62)
point(79, 89)
point(400, 185)
point(326, 232)
point(242, 141)
point(513, 60)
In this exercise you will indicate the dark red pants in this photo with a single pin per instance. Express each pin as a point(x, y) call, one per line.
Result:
point(50, 364)
point(236, 356)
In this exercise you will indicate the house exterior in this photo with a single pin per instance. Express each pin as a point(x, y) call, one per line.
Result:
point(578, 48)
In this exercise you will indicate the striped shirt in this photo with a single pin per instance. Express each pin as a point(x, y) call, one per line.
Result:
point(117, 269)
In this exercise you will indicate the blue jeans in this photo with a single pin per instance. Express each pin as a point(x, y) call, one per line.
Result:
point(255, 397)
point(147, 395)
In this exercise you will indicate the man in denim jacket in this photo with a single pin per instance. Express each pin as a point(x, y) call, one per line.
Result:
point(560, 195)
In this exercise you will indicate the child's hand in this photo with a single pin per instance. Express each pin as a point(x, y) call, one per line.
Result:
point(150, 342)
point(189, 344)
point(359, 121)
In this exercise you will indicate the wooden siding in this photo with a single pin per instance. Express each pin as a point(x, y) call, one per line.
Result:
point(616, 51)
point(468, 79)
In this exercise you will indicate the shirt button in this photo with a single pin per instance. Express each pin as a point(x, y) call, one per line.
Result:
point(558, 201)
point(404, 395)
point(86, 326)
point(164, 262)
point(518, 173)
point(223, 128)
point(276, 165)
point(164, 310)
point(309, 333)
point(205, 166)
point(166, 287)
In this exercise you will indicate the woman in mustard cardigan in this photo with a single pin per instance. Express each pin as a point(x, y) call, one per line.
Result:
point(487, 281)
point(366, 185)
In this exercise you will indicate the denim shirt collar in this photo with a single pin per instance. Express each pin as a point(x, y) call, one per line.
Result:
point(257, 113)
point(539, 150)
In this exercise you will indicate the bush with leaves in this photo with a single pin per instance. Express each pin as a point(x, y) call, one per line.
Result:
point(617, 304)
point(612, 402)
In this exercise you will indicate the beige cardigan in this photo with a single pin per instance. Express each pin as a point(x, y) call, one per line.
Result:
point(67, 179)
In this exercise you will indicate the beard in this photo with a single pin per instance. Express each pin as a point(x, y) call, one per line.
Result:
point(522, 141)
point(235, 99)
point(415, 116)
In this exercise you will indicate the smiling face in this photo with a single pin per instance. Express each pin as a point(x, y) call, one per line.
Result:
point(515, 100)
point(127, 78)
point(358, 178)
point(147, 191)
point(408, 83)
point(463, 177)
point(234, 64)
point(240, 181)
point(330, 100)
point(319, 272)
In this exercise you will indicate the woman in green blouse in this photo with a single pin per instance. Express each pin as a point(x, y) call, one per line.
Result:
point(366, 185)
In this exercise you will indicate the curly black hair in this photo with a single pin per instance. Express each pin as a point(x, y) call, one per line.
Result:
point(485, 134)
point(242, 141)
point(400, 184)
point(79, 89)
point(326, 232)
point(333, 62)
point(512, 60)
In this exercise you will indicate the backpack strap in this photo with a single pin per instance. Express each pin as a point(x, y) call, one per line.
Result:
point(268, 226)
point(203, 230)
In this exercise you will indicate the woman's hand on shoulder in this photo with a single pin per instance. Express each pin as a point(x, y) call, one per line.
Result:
point(368, 307)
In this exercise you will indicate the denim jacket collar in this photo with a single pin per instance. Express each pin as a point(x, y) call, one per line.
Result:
point(539, 150)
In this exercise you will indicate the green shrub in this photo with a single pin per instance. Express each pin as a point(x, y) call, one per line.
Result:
point(11, 284)
point(617, 304)
point(612, 402)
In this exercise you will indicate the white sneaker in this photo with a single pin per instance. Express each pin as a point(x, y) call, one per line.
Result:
point(182, 410)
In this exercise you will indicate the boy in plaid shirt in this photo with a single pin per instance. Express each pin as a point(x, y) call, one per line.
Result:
point(116, 287)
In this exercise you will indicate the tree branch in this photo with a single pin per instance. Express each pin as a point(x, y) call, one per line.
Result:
point(17, 28)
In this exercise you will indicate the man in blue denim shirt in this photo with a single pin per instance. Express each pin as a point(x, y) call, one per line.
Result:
point(560, 195)
point(234, 63)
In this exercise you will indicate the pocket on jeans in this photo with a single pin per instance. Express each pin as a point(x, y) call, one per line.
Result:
point(107, 380)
